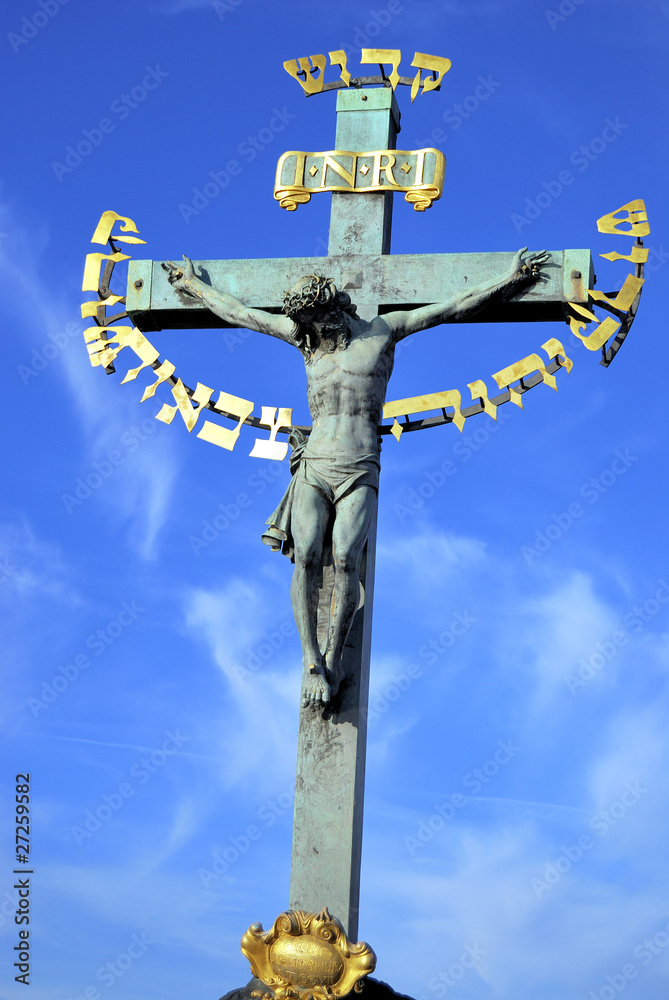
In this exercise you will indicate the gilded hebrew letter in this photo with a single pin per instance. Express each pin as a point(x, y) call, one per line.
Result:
point(382, 56)
point(101, 351)
point(636, 218)
point(599, 335)
point(91, 308)
point(338, 58)
point(271, 448)
point(419, 404)
point(162, 373)
point(639, 255)
point(479, 390)
point(625, 296)
point(519, 370)
point(91, 281)
point(106, 224)
point(554, 349)
point(437, 64)
point(221, 436)
point(184, 406)
point(310, 84)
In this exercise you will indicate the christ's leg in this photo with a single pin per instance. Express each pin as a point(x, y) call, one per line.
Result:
point(351, 527)
point(311, 515)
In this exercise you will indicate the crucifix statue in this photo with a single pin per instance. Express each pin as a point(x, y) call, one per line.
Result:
point(332, 495)
point(345, 314)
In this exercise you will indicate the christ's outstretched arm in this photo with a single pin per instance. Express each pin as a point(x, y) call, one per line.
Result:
point(182, 277)
point(521, 274)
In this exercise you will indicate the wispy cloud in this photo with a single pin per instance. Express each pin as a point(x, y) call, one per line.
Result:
point(260, 738)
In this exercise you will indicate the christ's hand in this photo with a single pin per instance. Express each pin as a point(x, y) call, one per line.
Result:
point(180, 276)
point(528, 269)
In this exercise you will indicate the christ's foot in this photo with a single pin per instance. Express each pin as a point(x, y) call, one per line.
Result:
point(335, 672)
point(315, 688)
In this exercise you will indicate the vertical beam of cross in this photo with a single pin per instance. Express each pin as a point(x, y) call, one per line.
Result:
point(329, 789)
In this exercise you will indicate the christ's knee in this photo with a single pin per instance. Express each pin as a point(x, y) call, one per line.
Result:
point(308, 558)
point(346, 561)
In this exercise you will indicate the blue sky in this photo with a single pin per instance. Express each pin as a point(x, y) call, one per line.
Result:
point(516, 798)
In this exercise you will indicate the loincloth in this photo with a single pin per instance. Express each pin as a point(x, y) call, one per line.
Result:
point(335, 479)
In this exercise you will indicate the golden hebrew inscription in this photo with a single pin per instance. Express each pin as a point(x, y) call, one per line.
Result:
point(421, 404)
point(478, 389)
point(309, 71)
point(636, 218)
point(624, 298)
point(272, 448)
point(338, 58)
point(439, 67)
point(164, 372)
point(222, 436)
point(91, 308)
point(91, 282)
point(381, 56)
point(526, 366)
point(106, 224)
point(312, 84)
point(419, 174)
point(184, 404)
point(639, 255)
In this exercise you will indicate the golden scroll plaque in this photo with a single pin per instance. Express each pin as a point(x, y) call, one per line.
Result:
point(306, 956)
point(418, 174)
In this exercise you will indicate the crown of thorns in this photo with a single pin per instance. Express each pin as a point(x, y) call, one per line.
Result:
point(312, 290)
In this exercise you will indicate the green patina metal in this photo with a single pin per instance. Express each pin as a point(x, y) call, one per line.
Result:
point(327, 833)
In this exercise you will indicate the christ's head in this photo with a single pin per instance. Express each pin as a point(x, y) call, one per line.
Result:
point(319, 311)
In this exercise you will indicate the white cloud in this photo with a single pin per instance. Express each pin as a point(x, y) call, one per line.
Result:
point(139, 489)
point(259, 736)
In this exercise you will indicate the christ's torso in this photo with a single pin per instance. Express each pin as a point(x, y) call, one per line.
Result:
point(346, 392)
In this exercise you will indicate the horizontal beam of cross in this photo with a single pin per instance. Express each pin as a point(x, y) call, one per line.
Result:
point(374, 282)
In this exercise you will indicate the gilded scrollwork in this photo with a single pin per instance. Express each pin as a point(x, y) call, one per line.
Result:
point(307, 956)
